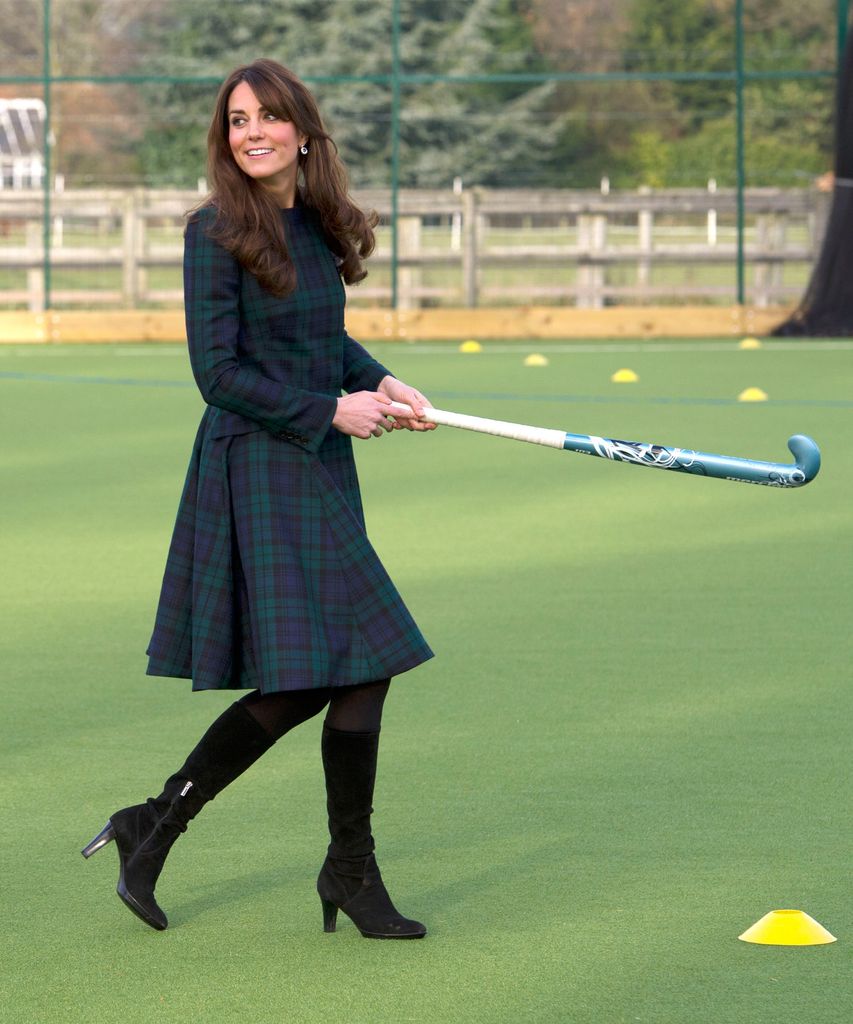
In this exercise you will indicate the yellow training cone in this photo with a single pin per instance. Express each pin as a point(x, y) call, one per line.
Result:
point(471, 346)
point(535, 359)
point(752, 395)
point(750, 343)
point(624, 376)
point(787, 928)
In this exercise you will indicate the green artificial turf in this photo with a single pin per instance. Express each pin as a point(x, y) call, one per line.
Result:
point(632, 744)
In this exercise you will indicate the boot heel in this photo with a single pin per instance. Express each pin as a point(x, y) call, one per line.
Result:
point(106, 835)
point(330, 915)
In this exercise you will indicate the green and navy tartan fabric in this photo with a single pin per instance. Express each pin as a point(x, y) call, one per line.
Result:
point(270, 581)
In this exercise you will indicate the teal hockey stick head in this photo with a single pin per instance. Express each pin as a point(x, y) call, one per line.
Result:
point(806, 457)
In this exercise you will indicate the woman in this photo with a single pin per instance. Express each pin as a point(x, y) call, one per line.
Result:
point(271, 584)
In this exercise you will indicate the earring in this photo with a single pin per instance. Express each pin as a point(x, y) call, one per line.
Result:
point(303, 149)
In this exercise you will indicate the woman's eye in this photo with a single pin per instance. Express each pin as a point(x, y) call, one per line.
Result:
point(270, 117)
point(237, 122)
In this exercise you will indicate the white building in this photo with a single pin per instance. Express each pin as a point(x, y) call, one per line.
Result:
point(21, 143)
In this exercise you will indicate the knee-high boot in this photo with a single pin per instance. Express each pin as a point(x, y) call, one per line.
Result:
point(349, 879)
point(144, 833)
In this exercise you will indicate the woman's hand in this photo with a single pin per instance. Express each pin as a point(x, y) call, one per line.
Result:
point(397, 391)
point(363, 414)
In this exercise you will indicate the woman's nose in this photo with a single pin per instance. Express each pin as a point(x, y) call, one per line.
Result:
point(255, 129)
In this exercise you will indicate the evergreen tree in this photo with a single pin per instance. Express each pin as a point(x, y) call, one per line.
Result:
point(354, 40)
point(199, 39)
point(498, 134)
point(684, 36)
point(488, 133)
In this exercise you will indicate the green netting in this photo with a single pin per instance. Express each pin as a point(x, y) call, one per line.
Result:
point(436, 96)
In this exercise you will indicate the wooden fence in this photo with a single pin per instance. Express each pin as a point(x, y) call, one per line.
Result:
point(474, 248)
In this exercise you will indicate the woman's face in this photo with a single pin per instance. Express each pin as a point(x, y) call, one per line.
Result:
point(263, 146)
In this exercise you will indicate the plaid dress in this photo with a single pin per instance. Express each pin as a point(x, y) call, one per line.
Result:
point(271, 582)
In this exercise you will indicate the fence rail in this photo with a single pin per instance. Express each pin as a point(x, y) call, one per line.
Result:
point(471, 248)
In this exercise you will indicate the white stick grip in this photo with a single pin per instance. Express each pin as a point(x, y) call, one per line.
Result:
point(500, 428)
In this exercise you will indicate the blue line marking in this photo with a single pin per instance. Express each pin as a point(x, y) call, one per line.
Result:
point(829, 403)
point(61, 378)
point(495, 396)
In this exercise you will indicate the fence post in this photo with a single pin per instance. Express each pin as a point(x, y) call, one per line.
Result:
point(770, 230)
point(712, 214)
point(777, 275)
point(818, 219)
point(140, 245)
point(471, 232)
point(760, 275)
point(130, 234)
point(35, 275)
point(583, 284)
point(592, 239)
point(456, 220)
point(645, 228)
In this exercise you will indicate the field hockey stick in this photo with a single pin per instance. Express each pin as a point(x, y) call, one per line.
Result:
point(638, 453)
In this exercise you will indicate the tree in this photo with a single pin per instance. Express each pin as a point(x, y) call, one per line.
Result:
point(826, 309)
point(94, 127)
point(487, 133)
point(684, 36)
point(21, 40)
point(581, 35)
point(201, 42)
point(354, 39)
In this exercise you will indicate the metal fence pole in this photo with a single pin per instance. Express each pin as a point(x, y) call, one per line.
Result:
point(842, 8)
point(47, 161)
point(739, 146)
point(395, 147)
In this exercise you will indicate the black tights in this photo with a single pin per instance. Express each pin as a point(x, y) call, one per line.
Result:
point(351, 708)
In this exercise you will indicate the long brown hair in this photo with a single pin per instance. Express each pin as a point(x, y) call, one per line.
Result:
point(248, 222)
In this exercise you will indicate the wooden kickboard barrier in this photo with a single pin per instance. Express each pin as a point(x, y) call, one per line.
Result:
point(525, 323)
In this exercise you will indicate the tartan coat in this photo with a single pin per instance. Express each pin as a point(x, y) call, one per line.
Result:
point(270, 581)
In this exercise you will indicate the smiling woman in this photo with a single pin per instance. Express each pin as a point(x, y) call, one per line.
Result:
point(271, 584)
point(264, 107)
point(265, 147)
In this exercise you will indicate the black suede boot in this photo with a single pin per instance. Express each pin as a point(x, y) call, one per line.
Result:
point(349, 879)
point(144, 833)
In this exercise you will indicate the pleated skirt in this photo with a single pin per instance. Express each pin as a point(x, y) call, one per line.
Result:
point(271, 582)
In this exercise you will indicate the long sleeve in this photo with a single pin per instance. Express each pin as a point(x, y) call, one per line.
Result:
point(361, 371)
point(211, 296)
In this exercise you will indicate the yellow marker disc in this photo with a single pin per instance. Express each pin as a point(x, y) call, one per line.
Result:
point(752, 395)
point(787, 928)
